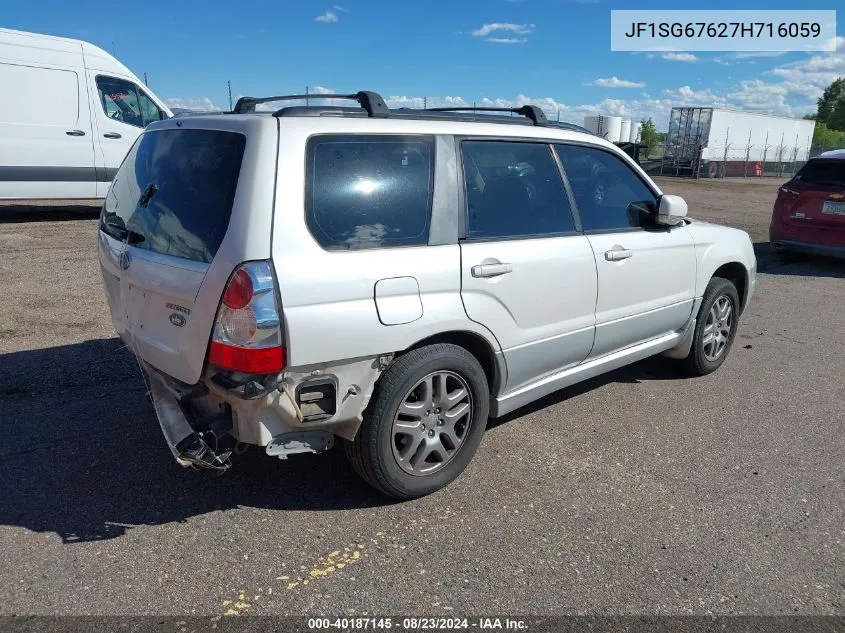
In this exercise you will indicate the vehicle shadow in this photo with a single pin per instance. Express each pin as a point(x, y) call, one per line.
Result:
point(796, 265)
point(83, 456)
point(24, 213)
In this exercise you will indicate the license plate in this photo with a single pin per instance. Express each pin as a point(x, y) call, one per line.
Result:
point(833, 208)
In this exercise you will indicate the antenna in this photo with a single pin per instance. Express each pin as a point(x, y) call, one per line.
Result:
point(229, 84)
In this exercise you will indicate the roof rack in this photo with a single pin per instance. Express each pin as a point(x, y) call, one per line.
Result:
point(370, 101)
point(531, 111)
point(373, 106)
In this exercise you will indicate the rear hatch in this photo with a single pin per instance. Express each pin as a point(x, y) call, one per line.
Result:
point(191, 201)
point(816, 195)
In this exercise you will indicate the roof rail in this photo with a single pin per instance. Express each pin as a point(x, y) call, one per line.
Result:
point(370, 101)
point(531, 111)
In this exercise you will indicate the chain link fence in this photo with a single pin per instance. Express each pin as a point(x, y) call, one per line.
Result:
point(733, 160)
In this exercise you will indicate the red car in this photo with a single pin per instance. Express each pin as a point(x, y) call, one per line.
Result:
point(809, 213)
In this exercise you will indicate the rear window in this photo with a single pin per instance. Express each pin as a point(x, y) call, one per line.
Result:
point(829, 172)
point(174, 192)
point(369, 191)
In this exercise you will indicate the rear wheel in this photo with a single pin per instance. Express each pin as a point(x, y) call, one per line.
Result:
point(424, 423)
point(715, 328)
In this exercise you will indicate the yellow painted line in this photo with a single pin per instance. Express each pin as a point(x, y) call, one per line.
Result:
point(330, 564)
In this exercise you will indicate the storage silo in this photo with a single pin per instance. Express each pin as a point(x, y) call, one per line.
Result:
point(636, 131)
point(611, 128)
point(625, 131)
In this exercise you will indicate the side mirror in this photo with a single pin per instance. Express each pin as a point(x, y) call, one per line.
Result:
point(671, 210)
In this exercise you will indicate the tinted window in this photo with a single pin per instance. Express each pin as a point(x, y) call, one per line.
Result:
point(608, 193)
point(120, 100)
point(174, 192)
point(513, 190)
point(827, 172)
point(369, 191)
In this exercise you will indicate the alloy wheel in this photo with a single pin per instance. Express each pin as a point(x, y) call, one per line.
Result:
point(717, 328)
point(431, 423)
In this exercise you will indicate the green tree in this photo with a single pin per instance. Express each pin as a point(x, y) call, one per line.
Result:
point(649, 135)
point(837, 117)
point(825, 138)
point(832, 105)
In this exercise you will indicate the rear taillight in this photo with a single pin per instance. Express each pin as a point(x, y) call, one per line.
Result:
point(248, 330)
point(784, 193)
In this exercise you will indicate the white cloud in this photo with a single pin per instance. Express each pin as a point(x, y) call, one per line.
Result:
point(680, 57)
point(809, 77)
point(508, 27)
point(837, 44)
point(615, 82)
point(687, 96)
point(329, 17)
point(753, 54)
point(337, 7)
point(506, 40)
point(431, 102)
point(755, 94)
point(201, 104)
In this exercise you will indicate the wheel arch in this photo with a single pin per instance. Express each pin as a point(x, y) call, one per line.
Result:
point(483, 351)
point(737, 274)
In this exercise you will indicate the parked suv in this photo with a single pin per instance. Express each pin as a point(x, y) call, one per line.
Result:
point(809, 213)
point(392, 278)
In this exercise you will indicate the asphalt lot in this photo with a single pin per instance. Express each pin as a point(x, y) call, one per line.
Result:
point(640, 492)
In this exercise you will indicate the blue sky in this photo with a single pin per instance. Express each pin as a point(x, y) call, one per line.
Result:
point(555, 53)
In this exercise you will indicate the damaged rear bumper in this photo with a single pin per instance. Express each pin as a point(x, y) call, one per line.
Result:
point(204, 445)
point(301, 411)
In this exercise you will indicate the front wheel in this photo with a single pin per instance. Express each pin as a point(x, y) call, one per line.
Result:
point(424, 424)
point(715, 328)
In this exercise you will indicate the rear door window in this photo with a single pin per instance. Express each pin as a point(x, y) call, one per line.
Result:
point(369, 191)
point(174, 192)
point(825, 172)
point(513, 189)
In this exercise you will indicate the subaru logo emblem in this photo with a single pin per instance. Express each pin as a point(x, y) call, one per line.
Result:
point(177, 319)
point(125, 260)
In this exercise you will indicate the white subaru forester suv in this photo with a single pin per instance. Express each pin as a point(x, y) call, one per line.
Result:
point(393, 278)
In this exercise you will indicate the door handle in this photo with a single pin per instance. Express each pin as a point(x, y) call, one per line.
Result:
point(75, 133)
point(490, 270)
point(618, 254)
point(112, 135)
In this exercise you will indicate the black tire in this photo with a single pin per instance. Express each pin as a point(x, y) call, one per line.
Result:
point(371, 453)
point(697, 362)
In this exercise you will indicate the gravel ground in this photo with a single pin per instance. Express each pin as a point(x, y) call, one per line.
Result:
point(640, 492)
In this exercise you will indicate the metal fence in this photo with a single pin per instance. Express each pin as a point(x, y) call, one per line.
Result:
point(734, 160)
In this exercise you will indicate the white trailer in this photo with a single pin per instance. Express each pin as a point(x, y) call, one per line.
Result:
point(722, 142)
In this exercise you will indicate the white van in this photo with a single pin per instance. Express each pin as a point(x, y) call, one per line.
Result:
point(69, 112)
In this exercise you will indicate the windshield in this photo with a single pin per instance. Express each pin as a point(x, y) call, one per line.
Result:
point(174, 192)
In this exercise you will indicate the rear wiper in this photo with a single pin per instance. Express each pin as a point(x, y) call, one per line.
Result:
point(147, 195)
point(122, 233)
